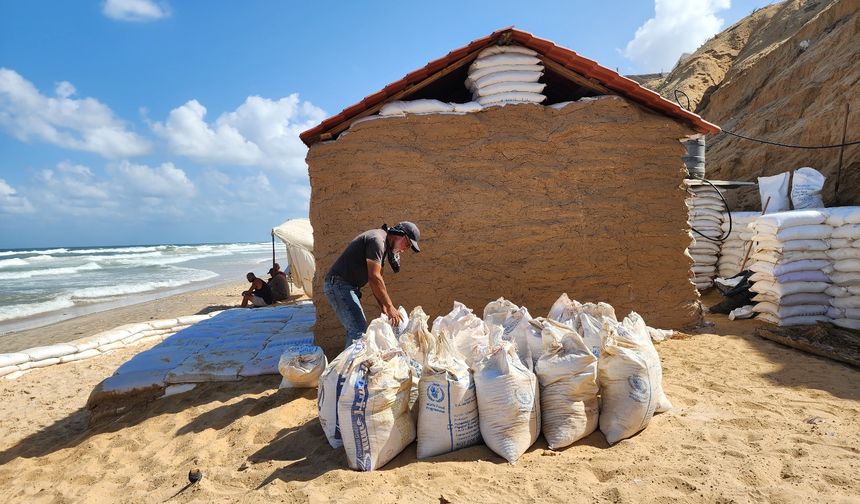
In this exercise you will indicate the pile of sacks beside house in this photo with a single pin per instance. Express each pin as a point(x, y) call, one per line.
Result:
point(501, 380)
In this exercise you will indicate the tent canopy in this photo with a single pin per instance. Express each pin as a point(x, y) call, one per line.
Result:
point(296, 233)
point(298, 236)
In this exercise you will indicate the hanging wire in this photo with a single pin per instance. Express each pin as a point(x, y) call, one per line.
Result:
point(678, 93)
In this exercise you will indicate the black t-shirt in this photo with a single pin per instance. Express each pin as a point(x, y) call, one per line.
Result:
point(264, 292)
point(352, 263)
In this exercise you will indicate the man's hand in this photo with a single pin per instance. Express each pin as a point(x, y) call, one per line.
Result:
point(393, 315)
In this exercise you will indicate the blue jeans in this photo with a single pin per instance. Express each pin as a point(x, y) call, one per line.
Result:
point(344, 299)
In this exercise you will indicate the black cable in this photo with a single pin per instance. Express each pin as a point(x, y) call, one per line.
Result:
point(790, 146)
point(759, 140)
point(728, 211)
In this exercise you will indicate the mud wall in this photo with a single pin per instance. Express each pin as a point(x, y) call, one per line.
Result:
point(524, 202)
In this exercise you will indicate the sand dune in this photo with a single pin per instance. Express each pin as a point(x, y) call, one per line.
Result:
point(753, 422)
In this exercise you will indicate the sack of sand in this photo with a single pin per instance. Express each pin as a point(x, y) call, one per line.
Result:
point(508, 400)
point(567, 372)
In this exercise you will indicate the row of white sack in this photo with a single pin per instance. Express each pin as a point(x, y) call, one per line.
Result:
point(14, 364)
point(476, 382)
point(506, 74)
point(834, 217)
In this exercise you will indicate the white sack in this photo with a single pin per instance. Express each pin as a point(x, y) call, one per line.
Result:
point(373, 409)
point(422, 106)
point(847, 323)
point(503, 59)
point(839, 216)
point(842, 266)
point(806, 188)
point(564, 309)
point(775, 222)
point(491, 78)
point(508, 402)
point(416, 341)
point(780, 289)
point(849, 231)
point(844, 254)
point(627, 385)
point(846, 302)
point(809, 232)
point(506, 49)
point(505, 98)
point(483, 72)
point(774, 192)
point(468, 332)
point(467, 107)
point(447, 404)
point(511, 87)
point(784, 312)
point(790, 267)
point(567, 372)
point(332, 379)
point(13, 359)
point(301, 366)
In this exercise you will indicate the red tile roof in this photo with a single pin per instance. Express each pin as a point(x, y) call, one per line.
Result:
point(589, 69)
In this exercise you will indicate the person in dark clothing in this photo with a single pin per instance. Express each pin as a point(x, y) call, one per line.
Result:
point(361, 263)
point(259, 294)
point(278, 283)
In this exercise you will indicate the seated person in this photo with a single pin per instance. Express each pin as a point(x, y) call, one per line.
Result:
point(278, 283)
point(259, 294)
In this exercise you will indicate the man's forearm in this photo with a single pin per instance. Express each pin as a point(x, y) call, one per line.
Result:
point(377, 285)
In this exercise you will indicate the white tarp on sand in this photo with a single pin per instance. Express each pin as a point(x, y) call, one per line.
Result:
point(298, 236)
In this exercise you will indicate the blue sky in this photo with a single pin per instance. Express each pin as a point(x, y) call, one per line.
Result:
point(140, 121)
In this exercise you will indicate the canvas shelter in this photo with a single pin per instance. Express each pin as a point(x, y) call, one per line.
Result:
point(298, 237)
point(579, 194)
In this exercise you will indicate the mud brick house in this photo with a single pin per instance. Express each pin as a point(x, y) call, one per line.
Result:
point(524, 201)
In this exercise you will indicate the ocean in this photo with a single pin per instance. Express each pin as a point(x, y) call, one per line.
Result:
point(42, 286)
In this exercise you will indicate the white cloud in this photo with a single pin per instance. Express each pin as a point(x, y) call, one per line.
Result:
point(11, 202)
point(165, 181)
point(135, 10)
point(125, 190)
point(81, 124)
point(678, 26)
point(260, 132)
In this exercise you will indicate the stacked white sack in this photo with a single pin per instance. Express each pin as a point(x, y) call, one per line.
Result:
point(506, 74)
point(791, 265)
point(705, 215)
point(845, 254)
point(733, 249)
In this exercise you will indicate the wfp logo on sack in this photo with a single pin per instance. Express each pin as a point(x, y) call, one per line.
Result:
point(638, 388)
point(524, 398)
point(435, 392)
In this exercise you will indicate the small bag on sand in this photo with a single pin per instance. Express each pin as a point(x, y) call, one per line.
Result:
point(373, 408)
point(567, 371)
point(447, 406)
point(508, 401)
point(301, 366)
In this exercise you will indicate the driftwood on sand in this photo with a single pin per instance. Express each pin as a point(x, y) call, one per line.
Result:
point(825, 340)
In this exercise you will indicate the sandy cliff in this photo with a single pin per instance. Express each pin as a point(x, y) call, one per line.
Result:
point(755, 78)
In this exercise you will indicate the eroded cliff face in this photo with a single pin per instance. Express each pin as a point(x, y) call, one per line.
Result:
point(523, 201)
point(755, 78)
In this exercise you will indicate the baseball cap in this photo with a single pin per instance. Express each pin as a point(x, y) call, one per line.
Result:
point(410, 230)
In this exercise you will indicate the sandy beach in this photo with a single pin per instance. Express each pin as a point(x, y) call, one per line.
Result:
point(753, 422)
